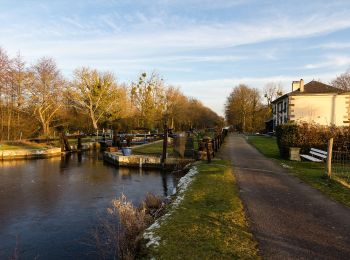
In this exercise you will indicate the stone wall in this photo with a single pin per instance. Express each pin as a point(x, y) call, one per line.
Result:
point(29, 153)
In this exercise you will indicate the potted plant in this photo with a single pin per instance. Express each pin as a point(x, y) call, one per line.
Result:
point(127, 150)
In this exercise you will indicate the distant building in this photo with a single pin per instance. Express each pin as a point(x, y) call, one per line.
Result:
point(314, 102)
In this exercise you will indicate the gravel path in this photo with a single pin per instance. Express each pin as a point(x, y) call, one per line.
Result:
point(289, 219)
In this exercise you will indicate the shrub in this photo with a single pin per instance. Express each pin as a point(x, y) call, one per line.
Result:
point(306, 136)
point(119, 235)
point(287, 136)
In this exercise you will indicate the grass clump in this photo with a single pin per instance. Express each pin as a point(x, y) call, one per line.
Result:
point(209, 223)
point(309, 172)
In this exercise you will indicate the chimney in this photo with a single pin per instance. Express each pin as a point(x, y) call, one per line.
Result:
point(301, 85)
point(295, 85)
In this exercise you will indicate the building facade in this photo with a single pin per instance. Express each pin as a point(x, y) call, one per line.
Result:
point(313, 102)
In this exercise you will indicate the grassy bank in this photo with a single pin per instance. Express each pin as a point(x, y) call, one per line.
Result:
point(311, 173)
point(155, 148)
point(21, 145)
point(209, 223)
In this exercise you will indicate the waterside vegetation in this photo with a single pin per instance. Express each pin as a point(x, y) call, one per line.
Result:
point(209, 223)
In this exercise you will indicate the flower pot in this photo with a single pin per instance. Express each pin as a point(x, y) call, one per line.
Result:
point(126, 151)
point(294, 154)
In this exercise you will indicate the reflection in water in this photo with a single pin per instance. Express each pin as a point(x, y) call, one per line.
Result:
point(165, 183)
point(52, 204)
point(80, 156)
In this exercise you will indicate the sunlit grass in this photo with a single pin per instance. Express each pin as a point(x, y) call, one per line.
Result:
point(21, 145)
point(310, 172)
point(152, 149)
point(210, 221)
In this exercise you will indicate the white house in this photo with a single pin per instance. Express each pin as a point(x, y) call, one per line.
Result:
point(314, 102)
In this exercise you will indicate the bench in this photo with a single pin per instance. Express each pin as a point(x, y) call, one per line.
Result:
point(315, 155)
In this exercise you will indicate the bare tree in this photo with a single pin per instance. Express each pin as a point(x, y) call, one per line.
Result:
point(16, 91)
point(272, 91)
point(5, 65)
point(176, 104)
point(45, 87)
point(148, 96)
point(342, 81)
point(244, 109)
point(97, 95)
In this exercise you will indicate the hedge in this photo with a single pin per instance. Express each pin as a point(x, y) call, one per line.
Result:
point(306, 136)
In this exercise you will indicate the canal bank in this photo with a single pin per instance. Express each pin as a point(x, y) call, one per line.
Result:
point(42, 152)
point(206, 220)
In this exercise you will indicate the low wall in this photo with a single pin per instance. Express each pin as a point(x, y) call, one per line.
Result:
point(86, 146)
point(29, 153)
point(143, 161)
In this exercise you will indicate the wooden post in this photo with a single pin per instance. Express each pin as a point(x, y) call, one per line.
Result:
point(215, 146)
point(208, 151)
point(165, 144)
point(80, 146)
point(62, 142)
point(329, 157)
point(212, 146)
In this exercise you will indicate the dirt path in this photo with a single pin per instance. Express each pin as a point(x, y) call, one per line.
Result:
point(289, 219)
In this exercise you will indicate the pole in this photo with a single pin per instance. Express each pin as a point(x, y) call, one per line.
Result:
point(208, 151)
point(80, 146)
point(329, 157)
point(165, 144)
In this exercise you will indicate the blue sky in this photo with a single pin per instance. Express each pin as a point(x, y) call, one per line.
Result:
point(204, 47)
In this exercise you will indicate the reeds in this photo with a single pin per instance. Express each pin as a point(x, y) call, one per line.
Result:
point(119, 235)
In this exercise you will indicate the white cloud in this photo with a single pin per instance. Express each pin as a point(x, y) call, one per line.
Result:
point(335, 45)
point(78, 37)
point(331, 61)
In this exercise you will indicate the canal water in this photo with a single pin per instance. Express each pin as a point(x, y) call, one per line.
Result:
point(49, 207)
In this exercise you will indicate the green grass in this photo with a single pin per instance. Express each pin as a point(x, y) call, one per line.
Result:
point(210, 221)
point(152, 149)
point(266, 145)
point(20, 145)
point(309, 172)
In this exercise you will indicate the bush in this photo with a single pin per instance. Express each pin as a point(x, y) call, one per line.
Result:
point(119, 236)
point(306, 136)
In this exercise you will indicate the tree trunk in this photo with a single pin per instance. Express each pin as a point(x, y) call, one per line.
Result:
point(46, 128)
point(93, 119)
point(9, 123)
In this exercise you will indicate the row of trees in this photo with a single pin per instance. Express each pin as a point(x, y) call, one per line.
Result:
point(37, 100)
point(245, 110)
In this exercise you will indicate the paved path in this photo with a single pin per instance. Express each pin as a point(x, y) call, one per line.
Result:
point(289, 219)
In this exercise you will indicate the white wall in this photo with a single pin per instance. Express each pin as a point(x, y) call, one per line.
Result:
point(321, 109)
